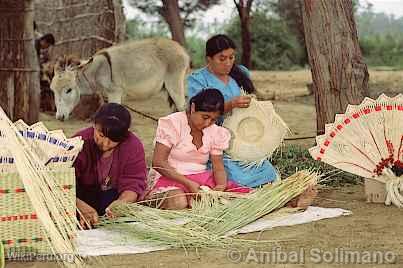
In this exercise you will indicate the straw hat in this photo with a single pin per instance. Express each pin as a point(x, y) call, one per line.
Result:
point(257, 131)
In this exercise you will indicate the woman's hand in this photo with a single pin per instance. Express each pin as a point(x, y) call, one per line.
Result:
point(220, 187)
point(193, 187)
point(115, 203)
point(125, 197)
point(88, 216)
point(241, 102)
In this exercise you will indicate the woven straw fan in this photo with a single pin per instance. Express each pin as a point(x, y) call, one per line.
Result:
point(256, 132)
point(368, 141)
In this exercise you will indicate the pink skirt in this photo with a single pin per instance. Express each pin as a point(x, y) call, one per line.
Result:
point(206, 178)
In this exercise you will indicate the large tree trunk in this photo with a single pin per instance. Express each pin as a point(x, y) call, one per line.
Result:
point(244, 8)
point(171, 14)
point(19, 67)
point(340, 77)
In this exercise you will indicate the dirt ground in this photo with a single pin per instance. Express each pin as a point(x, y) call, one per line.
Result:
point(371, 227)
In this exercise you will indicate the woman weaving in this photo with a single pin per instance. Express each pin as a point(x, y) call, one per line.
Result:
point(111, 166)
point(184, 142)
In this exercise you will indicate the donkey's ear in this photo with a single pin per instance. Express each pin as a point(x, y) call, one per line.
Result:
point(72, 61)
point(83, 63)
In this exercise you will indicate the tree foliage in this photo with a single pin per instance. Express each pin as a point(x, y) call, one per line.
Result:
point(196, 46)
point(190, 10)
point(139, 29)
point(381, 37)
point(274, 46)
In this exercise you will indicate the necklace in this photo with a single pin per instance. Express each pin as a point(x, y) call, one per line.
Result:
point(104, 168)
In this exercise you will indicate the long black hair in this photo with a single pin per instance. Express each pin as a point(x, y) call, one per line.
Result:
point(114, 120)
point(220, 42)
point(208, 100)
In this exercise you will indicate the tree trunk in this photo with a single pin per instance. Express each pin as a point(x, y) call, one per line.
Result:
point(120, 21)
point(171, 13)
point(19, 67)
point(244, 8)
point(340, 77)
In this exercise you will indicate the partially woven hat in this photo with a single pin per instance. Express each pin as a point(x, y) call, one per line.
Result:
point(256, 132)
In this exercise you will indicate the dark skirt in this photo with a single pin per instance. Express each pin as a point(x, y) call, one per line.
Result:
point(97, 198)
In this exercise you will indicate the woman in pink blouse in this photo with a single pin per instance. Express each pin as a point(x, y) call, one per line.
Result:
point(184, 142)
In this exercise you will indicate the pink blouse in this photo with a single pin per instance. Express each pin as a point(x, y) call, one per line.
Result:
point(174, 131)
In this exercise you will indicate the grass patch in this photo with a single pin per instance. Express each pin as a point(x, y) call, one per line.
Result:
point(291, 158)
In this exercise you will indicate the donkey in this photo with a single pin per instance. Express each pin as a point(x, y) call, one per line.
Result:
point(138, 69)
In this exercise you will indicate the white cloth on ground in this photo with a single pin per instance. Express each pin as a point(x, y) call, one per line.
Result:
point(99, 242)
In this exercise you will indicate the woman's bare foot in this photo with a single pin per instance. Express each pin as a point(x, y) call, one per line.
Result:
point(305, 199)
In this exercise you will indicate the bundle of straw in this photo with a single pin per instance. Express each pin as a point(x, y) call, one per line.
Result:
point(241, 212)
point(209, 199)
point(46, 197)
point(212, 221)
point(168, 228)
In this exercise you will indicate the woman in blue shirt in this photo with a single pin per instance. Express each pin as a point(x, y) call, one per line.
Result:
point(221, 73)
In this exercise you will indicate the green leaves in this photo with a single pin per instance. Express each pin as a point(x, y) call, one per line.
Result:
point(274, 47)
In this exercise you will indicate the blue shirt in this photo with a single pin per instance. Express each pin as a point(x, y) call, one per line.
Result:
point(202, 79)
